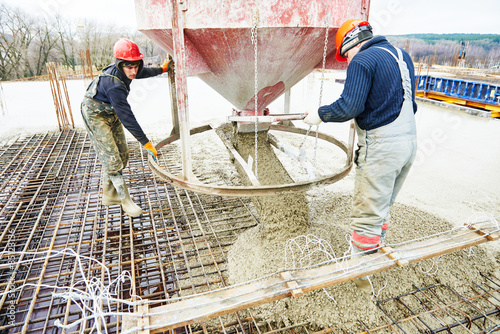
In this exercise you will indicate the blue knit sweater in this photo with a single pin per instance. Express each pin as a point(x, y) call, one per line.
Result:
point(373, 92)
point(114, 92)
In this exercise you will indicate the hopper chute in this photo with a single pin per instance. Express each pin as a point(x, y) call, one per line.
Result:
point(250, 52)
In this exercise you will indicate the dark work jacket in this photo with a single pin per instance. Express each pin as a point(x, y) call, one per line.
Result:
point(373, 92)
point(115, 92)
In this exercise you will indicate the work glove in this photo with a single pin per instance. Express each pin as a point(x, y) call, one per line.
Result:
point(168, 65)
point(312, 117)
point(151, 150)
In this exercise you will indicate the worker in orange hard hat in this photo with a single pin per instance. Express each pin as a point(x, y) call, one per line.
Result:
point(105, 110)
point(350, 34)
point(379, 93)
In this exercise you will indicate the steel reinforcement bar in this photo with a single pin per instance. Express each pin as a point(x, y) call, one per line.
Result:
point(295, 283)
point(56, 237)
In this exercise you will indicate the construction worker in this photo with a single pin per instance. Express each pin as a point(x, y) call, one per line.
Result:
point(379, 93)
point(105, 109)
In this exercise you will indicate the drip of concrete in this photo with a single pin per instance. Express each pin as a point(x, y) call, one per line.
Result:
point(280, 214)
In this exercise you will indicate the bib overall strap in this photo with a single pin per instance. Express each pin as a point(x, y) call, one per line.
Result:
point(403, 69)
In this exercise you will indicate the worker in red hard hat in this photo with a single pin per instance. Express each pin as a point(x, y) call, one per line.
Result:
point(379, 93)
point(105, 110)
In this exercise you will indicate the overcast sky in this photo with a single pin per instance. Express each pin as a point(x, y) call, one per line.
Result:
point(389, 17)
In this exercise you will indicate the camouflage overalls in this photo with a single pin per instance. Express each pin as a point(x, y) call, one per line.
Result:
point(106, 134)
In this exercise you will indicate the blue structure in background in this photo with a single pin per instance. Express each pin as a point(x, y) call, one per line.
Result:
point(479, 92)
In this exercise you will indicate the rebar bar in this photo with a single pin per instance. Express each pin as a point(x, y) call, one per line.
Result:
point(440, 316)
point(50, 201)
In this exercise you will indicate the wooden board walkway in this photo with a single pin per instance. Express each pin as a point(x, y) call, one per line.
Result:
point(199, 308)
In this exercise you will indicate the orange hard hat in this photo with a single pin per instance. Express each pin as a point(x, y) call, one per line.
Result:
point(127, 50)
point(350, 34)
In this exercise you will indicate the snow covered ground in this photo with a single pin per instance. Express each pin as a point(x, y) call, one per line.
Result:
point(456, 174)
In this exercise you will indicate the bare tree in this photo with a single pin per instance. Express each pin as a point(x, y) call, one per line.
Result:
point(67, 43)
point(28, 43)
point(16, 36)
point(99, 41)
point(43, 45)
point(480, 54)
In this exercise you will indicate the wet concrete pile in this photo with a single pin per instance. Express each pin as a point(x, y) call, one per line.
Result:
point(324, 213)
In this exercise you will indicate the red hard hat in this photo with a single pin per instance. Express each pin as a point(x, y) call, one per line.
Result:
point(127, 50)
point(345, 29)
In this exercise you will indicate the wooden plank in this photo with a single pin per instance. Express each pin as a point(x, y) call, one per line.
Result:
point(128, 322)
point(143, 321)
point(391, 254)
point(490, 237)
point(228, 300)
point(291, 284)
point(138, 321)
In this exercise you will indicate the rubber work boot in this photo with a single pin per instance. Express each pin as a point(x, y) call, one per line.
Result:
point(382, 236)
point(109, 193)
point(127, 203)
point(129, 206)
point(362, 283)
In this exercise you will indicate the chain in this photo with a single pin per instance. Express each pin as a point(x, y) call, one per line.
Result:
point(255, 22)
point(324, 65)
point(321, 89)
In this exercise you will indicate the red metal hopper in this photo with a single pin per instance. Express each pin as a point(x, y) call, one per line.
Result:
point(219, 49)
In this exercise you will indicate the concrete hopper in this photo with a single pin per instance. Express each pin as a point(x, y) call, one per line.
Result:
point(219, 49)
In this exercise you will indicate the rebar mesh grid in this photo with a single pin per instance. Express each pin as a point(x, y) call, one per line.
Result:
point(50, 201)
point(440, 308)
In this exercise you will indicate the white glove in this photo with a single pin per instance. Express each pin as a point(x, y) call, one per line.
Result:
point(312, 117)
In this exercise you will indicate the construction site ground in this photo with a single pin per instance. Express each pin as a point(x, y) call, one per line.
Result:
point(183, 243)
